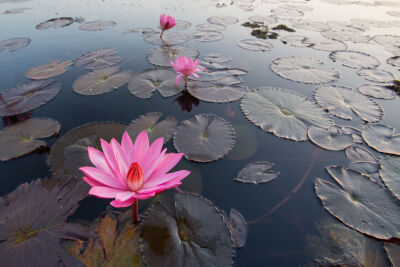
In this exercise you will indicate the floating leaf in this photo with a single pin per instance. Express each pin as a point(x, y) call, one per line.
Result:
point(387, 40)
point(346, 35)
point(355, 133)
point(283, 112)
point(101, 81)
point(204, 138)
point(97, 25)
point(362, 160)
point(55, 23)
point(42, 72)
point(255, 45)
point(143, 84)
point(286, 13)
point(217, 58)
point(209, 27)
point(208, 36)
point(324, 44)
point(238, 226)
point(224, 20)
point(192, 232)
point(154, 128)
point(169, 38)
point(364, 23)
point(331, 139)
point(70, 152)
point(14, 44)
point(15, 11)
point(214, 75)
point(343, 102)
point(27, 96)
point(370, 208)
point(145, 31)
point(395, 61)
point(162, 56)
point(294, 40)
point(304, 69)
point(98, 59)
point(374, 75)
point(382, 139)
point(257, 172)
point(263, 19)
point(310, 25)
point(377, 91)
point(389, 173)
point(393, 252)
point(355, 60)
point(181, 24)
point(20, 139)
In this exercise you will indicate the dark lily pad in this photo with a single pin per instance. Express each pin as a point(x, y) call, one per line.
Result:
point(393, 252)
point(162, 56)
point(238, 226)
point(255, 45)
point(217, 58)
point(257, 172)
point(154, 128)
point(389, 173)
point(294, 40)
point(101, 81)
point(42, 72)
point(27, 96)
point(324, 44)
point(208, 36)
point(98, 59)
point(55, 23)
point(331, 139)
point(370, 208)
point(304, 69)
point(210, 27)
point(382, 138)
point(283, 27)
point(374, 75)
point(14, 44)
point(22, 138)
point(362, 160)
point(204, 138)
point(344, 102)
point(97, 25)
point(169, 38)
point(143, 84)
point(376, 91)
point(283, 112)
point(355, 60)
point(395, 61)
point(69, 153)
point(191, 232)
point(224, 20)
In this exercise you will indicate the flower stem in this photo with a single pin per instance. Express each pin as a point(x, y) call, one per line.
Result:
point(135, 208)
point(162, 32)
point(186, 81)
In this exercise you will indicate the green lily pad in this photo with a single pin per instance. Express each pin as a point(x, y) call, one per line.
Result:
point(354, 59)
point(389, 173)
point(97, 25)
point(224, 20)
point(14, 44)
point(169, 38)
point(207, 36)
point(255, 45)
point(22, 138)
point(98, 59)
point(55, 68)
point(283, 112)
point(257, 172)
point(330, 139)
point(382, 138)
point(238, 226)
point(55, 23)
point(374, 75)
point(376, 91)
point(162, 56)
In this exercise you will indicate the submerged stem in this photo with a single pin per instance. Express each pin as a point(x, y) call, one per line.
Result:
point(135, 209)
point(162, 32)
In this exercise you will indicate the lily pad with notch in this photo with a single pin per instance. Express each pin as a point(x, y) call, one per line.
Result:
point(330, 139)
point(382, 138)
point(98, 59)
point(162, 56)
point(238, 226)
point(97, 25)
point(389, 173)
point(376, 91)
point(374, 75)
point(14, 44)
point(42, 72)
point(362, 160)
point(354, 59)
point(55, 23)
point(257, 172)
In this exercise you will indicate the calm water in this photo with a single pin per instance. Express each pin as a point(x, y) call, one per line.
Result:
point(281, 239)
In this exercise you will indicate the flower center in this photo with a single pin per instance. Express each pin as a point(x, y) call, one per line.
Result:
point(134, 178)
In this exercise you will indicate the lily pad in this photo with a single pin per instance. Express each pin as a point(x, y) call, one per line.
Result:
point(154, 128)
point(181, 24)
point(192, 232)
point(257, 173)
point(330, 139)
point(162, 56)
point(217, 58)
point(387, 40)
point(42, 72)
point(376, 91)
point(324, 44)
point(393, 13)
point(374, 75)
point(283, 112)
point(395, 61)
point(346, 35)
point(238, 226)
point(255, 45)
point(266, 20)
point(101, 81)
point(27, 96)
point(145, 31)
point(208, 36)
point(98, 59)
point(382, 138)
point(355, 60)
point(210, 27)
point(294, 40)
point(14, 44)
point(55, 23)
point(393, 251)
point(389, 173)
point(344, 102)
point(354, 132)
point(97, 25)
point(224, 20)
point(310, 25)
point(362, 160)
point(70, 152)
point(370, 208)
point(22, 138)
point(286, 13)
point(304, 69)
point(214, 75)
point(169, 38)
point(204, 138)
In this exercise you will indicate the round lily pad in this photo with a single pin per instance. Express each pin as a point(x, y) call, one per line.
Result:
point(169, 38)
point(55, 68)
point(69, 153)
point(355, 60)
point(14, 44)
point(217, 58)
point(97, 25)
point(98, 59)
point(55, 23)
point(346, 35)
point(224, 20)
point(257, 172)
point(27, 96)
point(162, 56)
point(324, 44)
point(362, 160)
point(294, 40)
point(382, 138)
point(331, 139)
point(344, 102)
point(143, 84)
point(101, 81)
point(255, 45)
point(395, 61)
point(283, 112)
point(210, 27)
point(22, 138)
point(238, 226)
point(150, 122)
point(370, 208)
point(204, 138)
point(304, 69)
point(193, 232)
point(389, 173)
point(376, 91)
point(208, 36)
point(374, 75)
point(214, 75)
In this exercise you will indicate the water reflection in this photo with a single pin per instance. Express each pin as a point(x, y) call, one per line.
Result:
point(186, 101)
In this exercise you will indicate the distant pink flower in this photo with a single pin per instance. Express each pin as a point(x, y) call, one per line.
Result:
point(166, 23)
point(184, 67)
point(129, 172)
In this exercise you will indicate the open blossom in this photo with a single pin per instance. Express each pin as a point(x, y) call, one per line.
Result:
point(127, 172)
point(166, 23)
point(184, 67)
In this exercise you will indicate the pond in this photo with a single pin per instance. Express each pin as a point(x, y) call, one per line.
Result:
point(290, 133)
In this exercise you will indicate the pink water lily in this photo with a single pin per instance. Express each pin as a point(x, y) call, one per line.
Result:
point(184, 67)
point(130, 171)
point(166, 23)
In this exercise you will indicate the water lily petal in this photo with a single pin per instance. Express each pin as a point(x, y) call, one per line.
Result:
point(141, 147)
point(105, 192)
point(127, 146)
point(161, 180)
point(102, 177)
point(122, 204)
point(98, 159)
point(124, 196)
